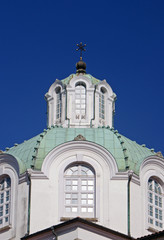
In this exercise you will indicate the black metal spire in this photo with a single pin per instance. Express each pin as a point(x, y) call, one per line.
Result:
point(81, 47)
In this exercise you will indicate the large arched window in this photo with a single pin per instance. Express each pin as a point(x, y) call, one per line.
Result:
point(80, 101)
point(79, 196)
point(5, 200)
point(58, 104)
point(155, 204)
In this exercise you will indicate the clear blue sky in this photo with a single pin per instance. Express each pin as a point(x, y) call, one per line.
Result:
point(125, 46)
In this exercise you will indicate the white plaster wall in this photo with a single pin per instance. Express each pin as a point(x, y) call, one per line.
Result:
point(22, 213)
point(89, 235)
point(44, 204)
point(69, 234)
point(136, 210)
point(118, 205)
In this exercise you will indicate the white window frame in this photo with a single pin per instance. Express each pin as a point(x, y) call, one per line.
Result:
point(155, 204)
point(151, 167)
point(80, 101)
point(102, 106)
point(5, 200)
point(11, 170)
point(79, 191)
point(58, 104)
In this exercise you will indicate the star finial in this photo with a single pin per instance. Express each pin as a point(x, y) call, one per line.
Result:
point(81, 48)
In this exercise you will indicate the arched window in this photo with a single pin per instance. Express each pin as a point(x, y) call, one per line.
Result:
point(102, 104)
point(80, 101)
point(79, 198)
point(155, 204)
point(5, 201)
point(58, 103)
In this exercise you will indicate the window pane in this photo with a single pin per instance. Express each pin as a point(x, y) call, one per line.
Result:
point(90, 201)
point(69, 172)
point(84, 188)
point(83, 201)
point(74, 182)
point(68, 182)
point(74, 201)
point(74, 209)
point(68, 195)
point(74, 188)
point(68, 209)
point(90, 195)
point(84, 195)
point(89, 172)
point(74, 195)
point(90, 209)
point(83, 172)
point(83, 209)
point(156, 223)
point(75, 172)
point(83, 180)
point(90, 183)
point(68, 188)
point(75, 168)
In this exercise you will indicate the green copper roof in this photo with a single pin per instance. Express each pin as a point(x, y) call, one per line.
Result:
point(93, 79)
point(128, 154)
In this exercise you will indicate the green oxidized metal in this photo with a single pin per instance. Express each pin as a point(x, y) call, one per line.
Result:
point(128, 154)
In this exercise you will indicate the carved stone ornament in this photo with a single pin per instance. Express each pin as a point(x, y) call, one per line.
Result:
point(80, 138)
point(159, 154)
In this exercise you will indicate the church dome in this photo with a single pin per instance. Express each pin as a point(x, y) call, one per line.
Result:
point(127, 153)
